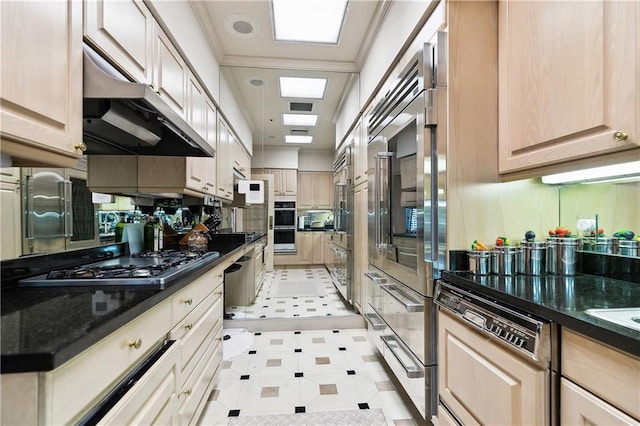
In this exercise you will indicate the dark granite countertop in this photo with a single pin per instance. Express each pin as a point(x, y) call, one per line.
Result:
point(42, 328)
point(563, 300)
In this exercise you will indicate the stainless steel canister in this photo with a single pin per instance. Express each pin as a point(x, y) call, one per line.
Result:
point(506, 260)
point(480, 261)
point(534, 257)
point(562, 255)
point(629, 247)
point(607, 245)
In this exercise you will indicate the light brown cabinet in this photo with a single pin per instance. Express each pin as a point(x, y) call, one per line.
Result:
point(469, 364)
point(41, 114)
point(285, 181)
point(11, 217)
point(587, 393)
point(241, 159)
point(316, 190)
point(124, 32)
point(224, 175)
point(173, 391)
point(311, 247)
point(569, 81)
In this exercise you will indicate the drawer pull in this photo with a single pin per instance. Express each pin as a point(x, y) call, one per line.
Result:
point(620, 136)
point(188, 326)
point(219, 293)
point(136, 344)
point(219, 275)
point(219, 339)
point(410, 305)
point(188, 301)
point(187, 391)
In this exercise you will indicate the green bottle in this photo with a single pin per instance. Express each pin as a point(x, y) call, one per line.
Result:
point(149, 229)
point(119, 231)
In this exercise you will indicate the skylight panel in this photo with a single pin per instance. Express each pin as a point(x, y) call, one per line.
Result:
point(302, 87)
point(298, 139)
point(311, 21)
point(300, 120)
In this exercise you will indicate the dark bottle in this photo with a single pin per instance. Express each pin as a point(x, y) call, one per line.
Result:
point(119, 230)
point(149, 231)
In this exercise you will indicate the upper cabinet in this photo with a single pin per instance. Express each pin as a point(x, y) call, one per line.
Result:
point(170, 73)
point(224, 167)
point(316, 190)
point(285, 181)
point(123, 31)
point(359, 154)
point(41, 84)
point(569, 81)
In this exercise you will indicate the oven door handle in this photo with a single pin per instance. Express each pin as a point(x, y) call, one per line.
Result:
point(409, 303)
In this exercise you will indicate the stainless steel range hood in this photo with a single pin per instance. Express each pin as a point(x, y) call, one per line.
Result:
point(124, 117)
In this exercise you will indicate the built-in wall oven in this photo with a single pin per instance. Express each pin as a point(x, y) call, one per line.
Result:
point(284, 231)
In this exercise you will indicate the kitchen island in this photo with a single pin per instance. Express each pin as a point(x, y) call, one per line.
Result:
point(97, 338)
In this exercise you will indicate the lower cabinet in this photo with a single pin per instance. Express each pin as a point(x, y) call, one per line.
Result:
point(310, 248)
point(174, 388)
point(483, 383)
point(599, 384)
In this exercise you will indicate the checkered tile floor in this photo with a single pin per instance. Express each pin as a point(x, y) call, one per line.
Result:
point(267, 305)
point(287, 372)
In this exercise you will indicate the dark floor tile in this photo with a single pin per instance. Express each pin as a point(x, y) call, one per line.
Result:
point(252, 352)
point(300, 409)
point(336, 331)
point(233, 413)
point(351, 372)
point(298, 374)
point(342, 348)
point(257, 333)
point(297, 350)
point(363, 406)
point(244, 377)
point(297, 332)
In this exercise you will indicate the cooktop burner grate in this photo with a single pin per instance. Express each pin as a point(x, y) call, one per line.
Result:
point(145, 268)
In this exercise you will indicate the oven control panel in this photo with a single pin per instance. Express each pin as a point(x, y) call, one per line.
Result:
point(516, 329)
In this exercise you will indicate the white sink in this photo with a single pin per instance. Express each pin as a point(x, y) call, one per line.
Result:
point(626, 317)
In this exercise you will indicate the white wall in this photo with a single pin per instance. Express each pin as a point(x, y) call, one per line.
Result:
point(275, 158)
point(401, 19)
point(311, 161)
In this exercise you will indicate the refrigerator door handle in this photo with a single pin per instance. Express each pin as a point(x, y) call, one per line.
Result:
point(28, 210)
point(381, 200)
point(68, 206)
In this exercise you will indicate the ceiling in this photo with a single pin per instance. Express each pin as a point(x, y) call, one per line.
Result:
point(252, 63)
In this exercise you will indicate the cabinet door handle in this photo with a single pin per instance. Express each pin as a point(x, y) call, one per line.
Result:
point(188, 301)
point(136, 344)
point(188, 326)
point(81, 146)
point(620, 136)
point(187, 392)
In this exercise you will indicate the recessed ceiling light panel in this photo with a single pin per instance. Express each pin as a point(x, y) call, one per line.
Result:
point(310, 21)
point(302, 87)
point(300, 119)
point(298, 139)
point(241, 26)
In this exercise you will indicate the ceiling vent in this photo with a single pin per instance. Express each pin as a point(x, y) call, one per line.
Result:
point(299, 132)
point(300, 106)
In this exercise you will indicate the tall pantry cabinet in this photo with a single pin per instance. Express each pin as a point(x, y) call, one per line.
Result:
point(41, 117)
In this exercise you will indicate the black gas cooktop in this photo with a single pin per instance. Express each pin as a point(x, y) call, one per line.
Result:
point(149, 268)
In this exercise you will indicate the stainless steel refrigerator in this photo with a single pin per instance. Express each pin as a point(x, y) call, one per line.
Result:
point(406, 214)
point(59, 213)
